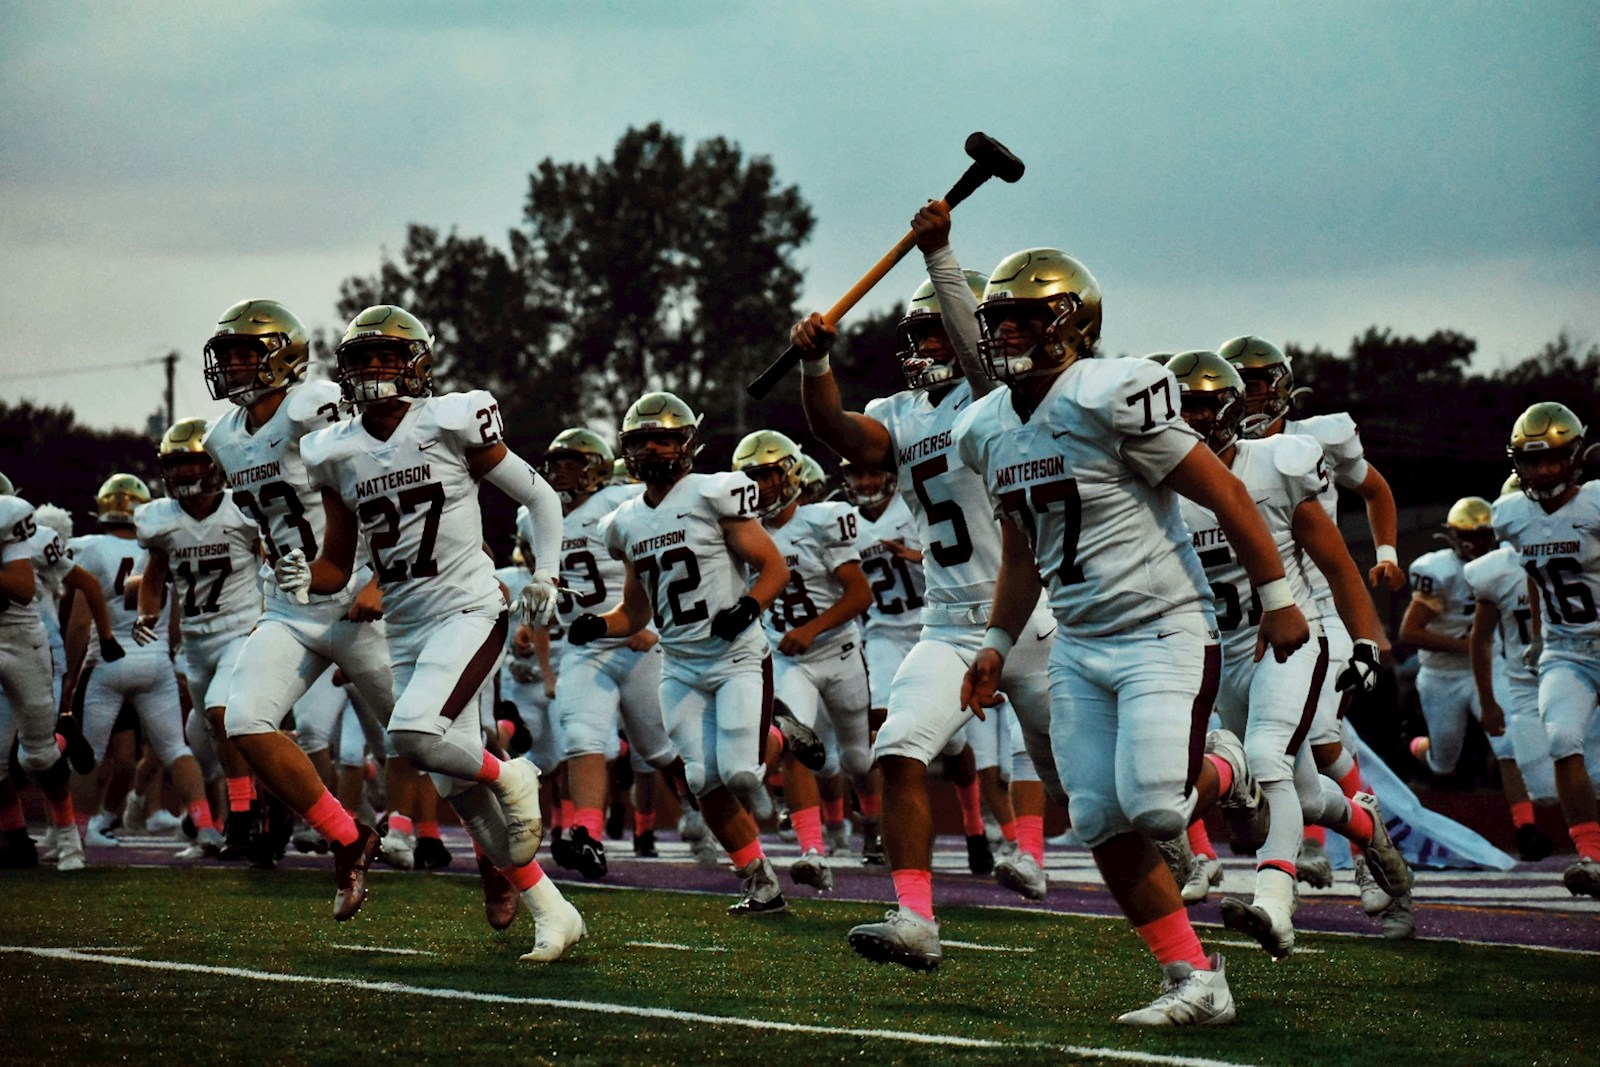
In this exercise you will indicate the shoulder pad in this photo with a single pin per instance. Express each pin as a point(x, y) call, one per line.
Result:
point(314, 405)
point(154, 518)
point(459, 411)
point(1293, 455)
point(1333, 429)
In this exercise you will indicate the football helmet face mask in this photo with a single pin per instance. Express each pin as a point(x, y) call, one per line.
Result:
point(927, 358)
point(386, 354)
point(773, 461)
point(1269, 389)
point(1547, 450)
point(1469, 527)
point(258, 346)
point(867, 487)
point(1212, 393)
point(186, 469)
point(1040, 312)
point(660, 438)
point(118, 497)
point(577, 463)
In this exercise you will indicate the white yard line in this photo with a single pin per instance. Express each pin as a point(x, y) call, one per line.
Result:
point(1298, 949)
point(905, 1036)
point(983, 948)
point(671, 945)
point(389, 951)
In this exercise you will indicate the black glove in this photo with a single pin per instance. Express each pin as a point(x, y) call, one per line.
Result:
point(731, 622)
point(585, 628)
point(110, 651)
point(1362, 670)
point(78, 751)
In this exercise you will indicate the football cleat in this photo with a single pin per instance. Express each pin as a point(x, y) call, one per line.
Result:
point(1188, 998)
point(1021, 873)
point(431, 855)
point(350, 863)
point(1265, 920)
point(1243, 807)
point(19, 851)
point(588, 855)
point(1179, 858)
point(616, 820)
point(644, 845)
point(872, 854)
point(903, 937)
point(306, 840)
point(812, 869)
point(1207, 872)
point(99, 833)
point(1388, 867)
point(1583, 877)
point(191, 851)
point(1399, 922)
point(398, 850)
point(1533, 844)
point(786, 826)
point(209, 841)
point(236, 834)
point(1312, 866)
point(517, 789)
point(980, 860)
point(837, 839)
point(556, 931)
point(133, 817)
point(500, 897)
point(801, 741)
point(162, 823)
point(68, 848)
point(1373, 899)
point(762, 894)
point(705, 852)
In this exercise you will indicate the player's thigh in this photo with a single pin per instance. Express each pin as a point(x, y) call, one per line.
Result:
point(743, 702)
point(450, 661)
point(1026, 676)
point(1331, 701)
point(161, 714)
point(361, 649)
point(587, 704)
point(641, 709)
point(1567, 702)
point(885, 651)
point(25, 678)
point(275, 667)
point(1083, 735)
point(794, 687)
point(1283, 703)
point(846, 694)
point(925, 709)
point(689, 713)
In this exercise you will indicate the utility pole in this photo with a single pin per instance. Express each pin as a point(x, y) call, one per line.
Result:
point(171, 362)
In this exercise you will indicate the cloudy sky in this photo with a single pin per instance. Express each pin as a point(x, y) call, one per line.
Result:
point(1299, 171)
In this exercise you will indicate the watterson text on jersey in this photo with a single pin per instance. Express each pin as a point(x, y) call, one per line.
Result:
point(926, 447)
point(260, 473)
point(650, 544)
point(1552, 548)
point(1031, 471)
point(423, 472)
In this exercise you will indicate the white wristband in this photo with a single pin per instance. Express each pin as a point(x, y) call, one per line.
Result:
point(815, 368)
point(1276, 595)
point(1387, 554)
point(996, 638)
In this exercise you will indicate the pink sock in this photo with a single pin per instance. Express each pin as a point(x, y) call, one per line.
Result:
point(11, 816)
point(1586, 839)
point(971, 810)
point(1008, 830)
point(401, 824)
point(1319, 834)
point(915, 889)
point(1172, 940)
point(833, 810)
point(428, 829)
point(1359, 828)
point(525, 877)
point(61, 813)
point(569, 812)
point(328, 818)
point(1278, 865)
point(1224, 776)
point(200, 812)
point(591, 819)
point(808, 828)
point(644, 822)
point(1030, 836)
point(871, 805)
point(747, 855)
point(1522, 813)
point(241, 791)
point(490, 771)
point(1351, 783)
point(1200, 840)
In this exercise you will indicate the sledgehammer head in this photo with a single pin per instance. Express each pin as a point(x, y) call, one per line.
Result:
point(994, 157)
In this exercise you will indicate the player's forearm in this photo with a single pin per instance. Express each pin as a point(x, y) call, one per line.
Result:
point(1247, 532)
point(850, 605)
point(1382, 513)
point(958, 309)
point(770, 581)
point(1414, 632)
point(1017, 585)
point(17, 582)
point(514, 477)
point(155, 571)
point(327, 576)
point(1480, 644)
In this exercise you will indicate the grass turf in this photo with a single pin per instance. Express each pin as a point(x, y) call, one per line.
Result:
point(1355, 1001)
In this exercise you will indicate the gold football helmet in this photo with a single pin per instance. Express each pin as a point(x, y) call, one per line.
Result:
point(1040, 312)
point(1268, 380)
point(1469, 527)
point(773, 461)
point(1159, 357)
point(656, 418)
point(866, 487)
point(1212, 392)
point(6, 488)
point(258, 346)
point(620, 474)
point(386, 353)
point(186, 468)
point(1547, 450)
point(119, 496)
point(577, 463)
point(927, 358)
point(1512, 485)
point(813, 480)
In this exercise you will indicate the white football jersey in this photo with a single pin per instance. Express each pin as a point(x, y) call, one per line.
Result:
point(268, 474)
point(1281, 473)
point(1082, 479)
point(417, 504)
point(678, 551)
point(52, 561)
point(1439, 579)
point(961, 542)
point(1347, 464)
point(22, 538)
point(212, 561)
point(591, 578)
point(816, 541)
point(113, 560)
point(1498, 578)
point(897, 584)
point(1561, 553)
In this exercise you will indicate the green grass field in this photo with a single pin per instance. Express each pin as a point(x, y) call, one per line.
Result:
point(214, 966)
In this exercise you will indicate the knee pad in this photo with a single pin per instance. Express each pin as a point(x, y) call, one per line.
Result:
point(41, 760)
point(412, 745)
point(1159, 824)
point(1094, 819)
point(1268, 762)
point(694, 775)
point(856, 762)
point(743, 784)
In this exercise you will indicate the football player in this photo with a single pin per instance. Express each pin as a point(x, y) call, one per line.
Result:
point(1508, 689)
point(685, 544)
point(1271, 703)
point(605, 681)
point(1555, 526)
point(820, 667)
point(404, 476)
point(1269, 396)
point(201, 540)
point(910, 433)
point(1086, 459)
point(257, 358)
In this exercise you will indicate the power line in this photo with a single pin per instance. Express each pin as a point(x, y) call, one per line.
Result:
point(64, 372)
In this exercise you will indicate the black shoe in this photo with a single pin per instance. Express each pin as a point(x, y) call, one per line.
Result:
point(644, 845)
point(802, 742)
point(236, 837)
point(588, 855)
point(752, 906)
point(872, 851)
point(18, 852)
point(562, 852)
point(1533, 844)
point(262, 851)
point(616, 819)
point(980, 860)
point(431, 855)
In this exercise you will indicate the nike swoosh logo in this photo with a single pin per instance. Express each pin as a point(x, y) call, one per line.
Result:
point(1263, 503)
point(424, 447)
point(684, 514)
point(1172, 633)
point(1063, 433)
point(1047, 635)
point(275, 444)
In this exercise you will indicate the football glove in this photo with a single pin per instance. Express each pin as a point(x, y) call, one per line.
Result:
point(144, 630)
point(731, 622)
point(110, 650)
point(585, 628)
point(293, 572)
point(537, 601)
point(1362, 670)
